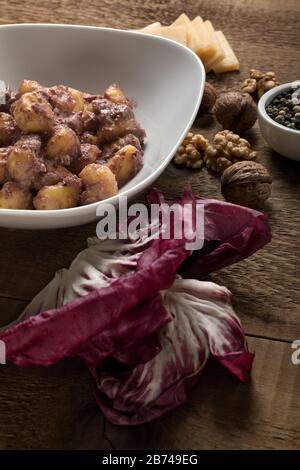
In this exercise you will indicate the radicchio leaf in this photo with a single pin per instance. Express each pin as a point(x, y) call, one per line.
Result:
point(231, 233)
point(144, 335)
point(57, 333)
point(203, 324)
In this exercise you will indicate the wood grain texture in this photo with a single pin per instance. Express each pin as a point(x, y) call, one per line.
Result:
point(10, 309)
point(49, 408)
point(54, 407)
point(32, 262)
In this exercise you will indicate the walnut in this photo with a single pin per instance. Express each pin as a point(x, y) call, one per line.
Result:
point(226, 149)
point(259, 82)
point(249, 85)
point(209, 98)
point(236, 111)
point(256, 74)
point(191, 151)
point(265, 84)
point(246, 183)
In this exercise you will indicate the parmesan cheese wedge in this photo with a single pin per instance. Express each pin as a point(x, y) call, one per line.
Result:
point(219, 53)
point(208, 48)
point(193, 39)
point(215, 59)
point(211, 46)
point(176, 33)
point(230, 62)
point(151, 26)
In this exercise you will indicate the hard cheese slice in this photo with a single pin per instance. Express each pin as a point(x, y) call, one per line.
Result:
point(215, 59)
point(208, 48)
point(219, 53)
point(152, 26)
point(230, 61)
point(177, 33)
point(193, 39)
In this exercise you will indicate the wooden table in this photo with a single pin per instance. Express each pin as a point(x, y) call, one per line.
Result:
point(54, 408)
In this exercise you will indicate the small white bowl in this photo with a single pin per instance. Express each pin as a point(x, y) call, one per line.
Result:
point(280, 138)
point(165, 79)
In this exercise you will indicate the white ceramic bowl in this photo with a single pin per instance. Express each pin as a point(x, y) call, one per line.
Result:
point(280, 138)
point(164, 78)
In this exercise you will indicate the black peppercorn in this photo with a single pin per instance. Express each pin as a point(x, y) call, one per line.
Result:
point(279, 119)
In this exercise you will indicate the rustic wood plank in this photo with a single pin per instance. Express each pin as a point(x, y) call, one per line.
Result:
point(264, 413)
point(231, 14)
point(49, 408)
point(41, 408)
point(55, 408)
point(10, 309)
point(269, 308)
point(224, 414)
point(30, 258)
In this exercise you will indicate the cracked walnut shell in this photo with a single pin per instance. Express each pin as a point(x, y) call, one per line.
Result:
point(246, 183)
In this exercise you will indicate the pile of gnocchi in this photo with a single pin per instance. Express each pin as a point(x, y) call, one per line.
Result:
point(61, 148)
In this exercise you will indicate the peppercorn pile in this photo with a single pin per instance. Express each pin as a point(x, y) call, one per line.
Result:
point(284, 110)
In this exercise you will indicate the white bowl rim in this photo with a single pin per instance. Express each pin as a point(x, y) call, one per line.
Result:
point(267, 97)
point(60, 213)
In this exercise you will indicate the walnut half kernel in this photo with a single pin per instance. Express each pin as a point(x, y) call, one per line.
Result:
point(259, 83)
point(246, 183)
point(226, 149)
point(191, 151)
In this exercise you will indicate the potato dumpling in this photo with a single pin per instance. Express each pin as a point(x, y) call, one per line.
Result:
point(99, 183)
point(54, 174)
point(3, 164)
point(78, 98)
point(89, 118)
point(89, 154)
point(62, 195)
point(115, 94)
point(61, 99)
point(63, 146)
point(73, 120)
point(125, 164)
point(33, 113)
point(110, 149)
point(114, 120)
point(27, 86)
point(66, 99)
point(14, 196)
point(23, 163)
point(120, 128)
point(93, 174)
point(89, 138)
point(8, 129)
